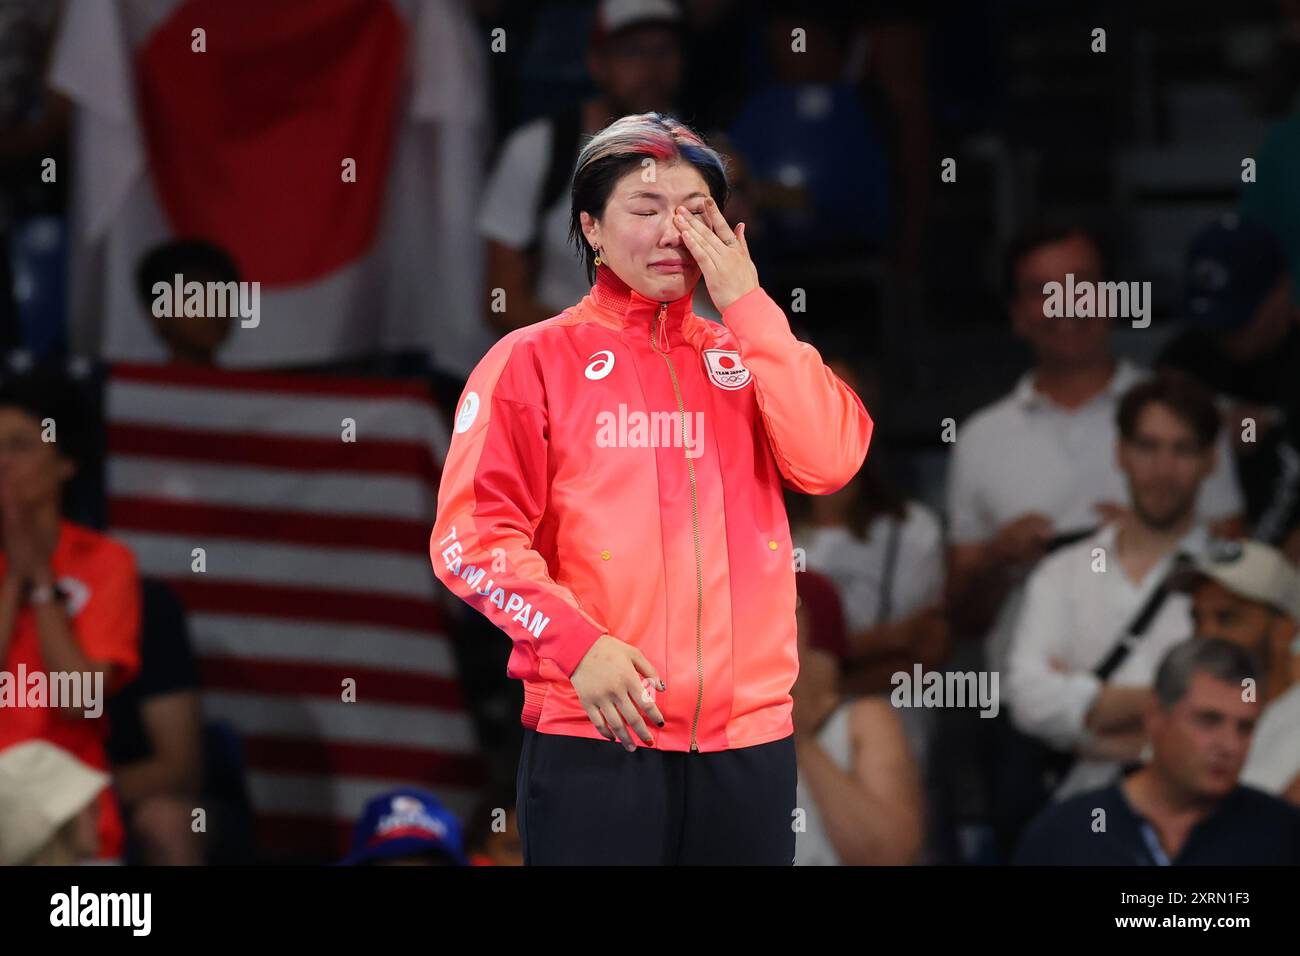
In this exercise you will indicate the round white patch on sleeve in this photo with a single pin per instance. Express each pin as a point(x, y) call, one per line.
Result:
point(468, 412)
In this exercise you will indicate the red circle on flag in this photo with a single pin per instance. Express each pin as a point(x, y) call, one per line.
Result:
point(247, 141)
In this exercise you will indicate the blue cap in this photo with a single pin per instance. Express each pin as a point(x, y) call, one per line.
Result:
point(405, 822)
point(1232, 266)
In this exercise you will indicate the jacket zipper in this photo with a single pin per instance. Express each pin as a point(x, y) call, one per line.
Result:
point(695, 532)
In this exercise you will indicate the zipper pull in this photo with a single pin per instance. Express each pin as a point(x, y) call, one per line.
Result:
point(663, 307)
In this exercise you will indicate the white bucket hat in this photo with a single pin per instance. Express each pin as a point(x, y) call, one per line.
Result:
point(42, 787)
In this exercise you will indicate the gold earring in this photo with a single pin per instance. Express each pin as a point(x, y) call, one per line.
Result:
point(598, 259)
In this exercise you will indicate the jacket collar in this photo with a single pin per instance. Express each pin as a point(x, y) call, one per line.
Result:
point(632, 312)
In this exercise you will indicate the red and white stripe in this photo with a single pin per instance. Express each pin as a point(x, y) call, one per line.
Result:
point(316, 570)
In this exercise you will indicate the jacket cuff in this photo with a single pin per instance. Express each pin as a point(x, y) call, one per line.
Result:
point(570, 645)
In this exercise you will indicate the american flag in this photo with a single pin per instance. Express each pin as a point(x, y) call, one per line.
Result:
point(316, 570)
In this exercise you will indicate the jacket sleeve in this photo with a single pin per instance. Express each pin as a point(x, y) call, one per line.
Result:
point(817, 427)
point(491, 499)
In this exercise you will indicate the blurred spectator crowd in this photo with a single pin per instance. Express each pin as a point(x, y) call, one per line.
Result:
point(1104, 517)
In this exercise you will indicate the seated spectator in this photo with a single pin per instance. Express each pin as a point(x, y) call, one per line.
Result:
point(494, 838)
point(154, 745)
point(1098, 614)
point(34, 124)
point(1273, 202)
point(1038, 466)
point(1243, 341)
point(1248, 594)
point(69, 597)
point(885, 555)
point(860, 786)
point(1274, 761)
point(635, 60)
point(49, 806)
point(1186, 807)
point(189, 339)
point(829, 135)
point(406, 827)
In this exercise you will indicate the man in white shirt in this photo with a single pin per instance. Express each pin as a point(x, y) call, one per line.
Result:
point(1080, 603)
point(1247, 593)
point(1039, 464)
point(636, 62)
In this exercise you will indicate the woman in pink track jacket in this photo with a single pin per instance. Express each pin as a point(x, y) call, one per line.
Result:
point(612, 500)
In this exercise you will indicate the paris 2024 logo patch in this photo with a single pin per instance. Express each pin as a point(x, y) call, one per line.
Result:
point(725, 369)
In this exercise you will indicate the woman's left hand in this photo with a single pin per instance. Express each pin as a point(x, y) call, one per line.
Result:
point(723, 255)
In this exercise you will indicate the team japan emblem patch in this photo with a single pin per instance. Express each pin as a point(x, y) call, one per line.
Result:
point(725, 369)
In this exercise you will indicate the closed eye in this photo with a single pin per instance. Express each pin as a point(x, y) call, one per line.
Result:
point(698, 212)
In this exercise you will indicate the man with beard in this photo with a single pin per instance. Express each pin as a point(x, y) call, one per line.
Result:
point(1037, 467)
point(1029, 474)
point(1248, 594)
point(1084, 603)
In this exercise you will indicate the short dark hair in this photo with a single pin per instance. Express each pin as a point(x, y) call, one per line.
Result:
point(182, 256)
point(1222, 660)
point(622, 147)
point(1181, 394)
point(1045, 232)
point(43, 392)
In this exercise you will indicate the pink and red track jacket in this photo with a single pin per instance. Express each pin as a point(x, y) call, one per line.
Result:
point(618, 469)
